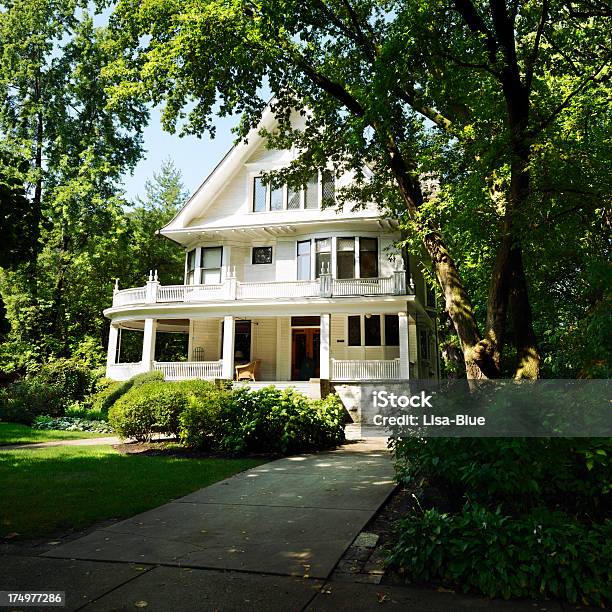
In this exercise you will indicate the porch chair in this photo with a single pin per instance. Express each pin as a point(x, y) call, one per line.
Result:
point(248, 371)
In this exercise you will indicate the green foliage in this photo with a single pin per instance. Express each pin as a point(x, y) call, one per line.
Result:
point(71, 423)
point(236, 421)
point(518, 473)
point(146, 408)
point(50, 390)
point(111, 391)
point(540, 554)
point(527, 517)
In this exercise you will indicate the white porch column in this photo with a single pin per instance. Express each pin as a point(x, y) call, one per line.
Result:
point(324, 348)
point(404, 346)
point(227, 371)
point(113, 338)
point(148, 344)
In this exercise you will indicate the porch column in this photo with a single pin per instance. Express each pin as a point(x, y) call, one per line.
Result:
point(148, 344)
point(227, 370)
point(324, 348)
point(404, 346)
point(113, 338)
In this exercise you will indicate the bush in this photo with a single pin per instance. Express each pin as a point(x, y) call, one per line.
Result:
point(146, 408)
point(71, 424)
point(527, 516)
point(110, 391)
point(278, 421)
point(237, 421)
point(518, 473)
point(49, 390)
point(541, 554)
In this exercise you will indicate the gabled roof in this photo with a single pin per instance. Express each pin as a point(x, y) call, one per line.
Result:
point(231, 163)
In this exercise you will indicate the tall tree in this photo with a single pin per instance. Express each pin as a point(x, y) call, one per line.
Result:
point(399, 84)
point(54, 115)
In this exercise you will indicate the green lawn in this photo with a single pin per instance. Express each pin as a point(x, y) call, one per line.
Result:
point(60, 488)
point(13, 433)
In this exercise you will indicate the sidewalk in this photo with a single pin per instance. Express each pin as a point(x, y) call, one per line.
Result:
point(265, 539)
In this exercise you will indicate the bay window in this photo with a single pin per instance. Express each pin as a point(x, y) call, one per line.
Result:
point(191, 259)
point(345, 258)
point(322, 256)
point(368, 257)
point(211, 265)
point(303, 260)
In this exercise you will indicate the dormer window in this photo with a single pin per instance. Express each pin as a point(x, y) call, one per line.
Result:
point(328, 189)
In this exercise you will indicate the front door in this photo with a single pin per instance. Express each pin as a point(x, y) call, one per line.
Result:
point(305, 358)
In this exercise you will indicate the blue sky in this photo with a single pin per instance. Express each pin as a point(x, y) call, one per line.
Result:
point(194, 157)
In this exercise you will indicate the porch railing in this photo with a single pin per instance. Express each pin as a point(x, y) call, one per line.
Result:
point(232, 289)
point(365, 369)
point(123, 371)
point(184, 370)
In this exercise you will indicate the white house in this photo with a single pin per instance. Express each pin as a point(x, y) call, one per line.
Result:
point(273, 275)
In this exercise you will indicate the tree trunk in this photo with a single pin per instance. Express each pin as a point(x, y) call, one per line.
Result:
point(478, 361)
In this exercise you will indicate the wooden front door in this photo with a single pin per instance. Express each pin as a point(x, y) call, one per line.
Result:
point(305, 359)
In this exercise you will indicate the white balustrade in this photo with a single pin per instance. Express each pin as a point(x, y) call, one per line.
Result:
point(130, 296)
point(276, 289)
point(362, 286)
point(235, 290)
point(185, 370)
point(123, 371)
point(365, 369)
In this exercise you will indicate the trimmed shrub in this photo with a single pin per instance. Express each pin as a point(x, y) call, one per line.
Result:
point(146, 408)
point(267, 420)
point(110, 391)
point(541, 554)
point(229, 420)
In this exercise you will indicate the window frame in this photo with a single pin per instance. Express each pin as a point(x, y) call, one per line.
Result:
point(258, 178)
point(268, 248)
point(202, 269)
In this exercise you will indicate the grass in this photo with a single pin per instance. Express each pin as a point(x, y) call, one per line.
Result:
point(63, 488)
point(13, 433)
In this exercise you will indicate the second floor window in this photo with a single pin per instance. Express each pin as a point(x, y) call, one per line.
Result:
point(211, 265)
point(311, 192)
point(322, 256)
point(303, 260)
point(368, 257)
point(191, 258)
point(345, 258)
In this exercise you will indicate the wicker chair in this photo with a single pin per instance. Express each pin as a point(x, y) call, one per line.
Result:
point(248, 371)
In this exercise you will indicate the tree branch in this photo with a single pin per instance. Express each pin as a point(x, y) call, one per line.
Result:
point(531, 60)
point(563, 105)
point(476, 24)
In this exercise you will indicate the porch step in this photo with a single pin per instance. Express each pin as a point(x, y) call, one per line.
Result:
point(309, 389)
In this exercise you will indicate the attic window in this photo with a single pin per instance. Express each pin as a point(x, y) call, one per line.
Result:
point(259, 195)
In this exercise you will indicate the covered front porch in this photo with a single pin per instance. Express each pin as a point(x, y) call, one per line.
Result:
point(273, 349)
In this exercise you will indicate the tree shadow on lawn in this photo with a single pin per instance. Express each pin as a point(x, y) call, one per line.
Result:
point(69, 488)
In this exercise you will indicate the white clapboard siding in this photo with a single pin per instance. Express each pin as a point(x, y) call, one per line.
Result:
point(263, 346)
point(206, 334)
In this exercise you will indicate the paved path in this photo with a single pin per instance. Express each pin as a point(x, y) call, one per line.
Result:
point(263, 540)
point(294, 516)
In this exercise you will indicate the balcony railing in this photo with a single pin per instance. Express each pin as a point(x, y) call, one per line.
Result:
point(232, 289)
point(365, 369)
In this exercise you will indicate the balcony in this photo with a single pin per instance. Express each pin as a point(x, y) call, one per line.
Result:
point(232, 289)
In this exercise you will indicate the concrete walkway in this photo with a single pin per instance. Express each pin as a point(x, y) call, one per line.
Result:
point(264, 540)
point(294, 517)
